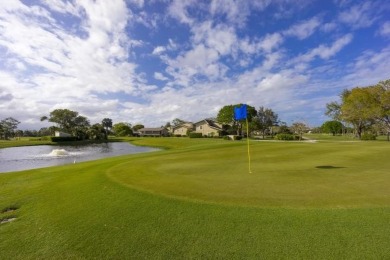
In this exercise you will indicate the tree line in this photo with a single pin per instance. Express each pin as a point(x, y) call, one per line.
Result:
point(79, 126)
point(70, 122)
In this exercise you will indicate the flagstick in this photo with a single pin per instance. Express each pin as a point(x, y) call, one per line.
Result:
point(247, 139)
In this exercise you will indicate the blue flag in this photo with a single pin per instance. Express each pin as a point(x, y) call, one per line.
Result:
point(240, 112)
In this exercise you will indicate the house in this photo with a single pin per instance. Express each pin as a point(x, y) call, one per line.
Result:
point(182, 129)
point(161, 131)
point(61, 134)
point(208, 127)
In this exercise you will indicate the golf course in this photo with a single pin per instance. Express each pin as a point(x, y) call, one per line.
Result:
point(196, 199)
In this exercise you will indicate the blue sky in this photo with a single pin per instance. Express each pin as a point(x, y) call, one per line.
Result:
point(152, 61)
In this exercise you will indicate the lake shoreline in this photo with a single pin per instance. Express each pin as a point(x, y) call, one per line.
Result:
point(19, 143)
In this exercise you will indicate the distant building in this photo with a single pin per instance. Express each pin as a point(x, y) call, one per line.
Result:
point(61, 134)
point(161, 131)
point(208, 127)
point(182, 129)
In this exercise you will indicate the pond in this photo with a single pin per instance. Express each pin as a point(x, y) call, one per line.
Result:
point(32, 157)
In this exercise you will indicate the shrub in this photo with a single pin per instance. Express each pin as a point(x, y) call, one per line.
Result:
point(367, 136)
point(195, 135)
point(232, 137)
point(285, 137)
point(63, 138)
point(35, 139)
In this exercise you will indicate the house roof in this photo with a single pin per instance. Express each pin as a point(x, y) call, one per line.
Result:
point(211, 123)
point(151, 129)
point(186, 125)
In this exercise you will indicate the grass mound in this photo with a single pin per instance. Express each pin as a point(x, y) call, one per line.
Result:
point(283, 174)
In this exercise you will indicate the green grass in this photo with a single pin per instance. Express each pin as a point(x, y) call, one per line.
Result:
point(346, 137)
point(30, 141)
point(23, 142)
point(196, 199)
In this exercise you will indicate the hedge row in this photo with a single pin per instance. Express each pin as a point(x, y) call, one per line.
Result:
point(195, 135)
point(64, 139)
point(286, 137)
point(366, 137)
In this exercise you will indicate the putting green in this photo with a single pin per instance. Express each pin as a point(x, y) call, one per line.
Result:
point(303, 175)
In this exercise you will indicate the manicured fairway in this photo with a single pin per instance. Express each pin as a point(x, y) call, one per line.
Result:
point(326, 200)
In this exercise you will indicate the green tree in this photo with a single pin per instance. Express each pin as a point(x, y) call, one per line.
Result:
point(80, 128)
point(299, 128)
point(1, 130)
point(69, 121)
point(96, 132)
point(107, 125)
point(122, 129)
point(332, 127)
point(333, 110)
point(44, 131)
point(177, 121)
point(283, 129)
point(19, 133)
point(30, 133)
point(359, 108)
point(8, 127)
point(382, 96)
point(64, 118)
point(53, 129)
point(137, 127)
point(226, 117)
point(264, 120)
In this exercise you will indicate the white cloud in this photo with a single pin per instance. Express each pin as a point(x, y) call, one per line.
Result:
point(178, 10)
point(369, 68)
point(160, 76)
point(270, 42)
point(198, 61)
point(158, 50)
point(172, 45)
point(325, 52)
point(329, 27)
point(385, 29)
point(342, 3)
point(303, 29)
point(62, 7)
point(209, 44)
point(62, 67)
point(279, 81)
point(360, 15)
point(236, 11)
point(138, 3)
point(219, 38)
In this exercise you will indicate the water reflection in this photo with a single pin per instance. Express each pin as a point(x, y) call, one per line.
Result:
point(105, 148)
point(31, 157)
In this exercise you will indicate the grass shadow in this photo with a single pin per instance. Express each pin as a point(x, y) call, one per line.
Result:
point(329, 167)
point(9, 209)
